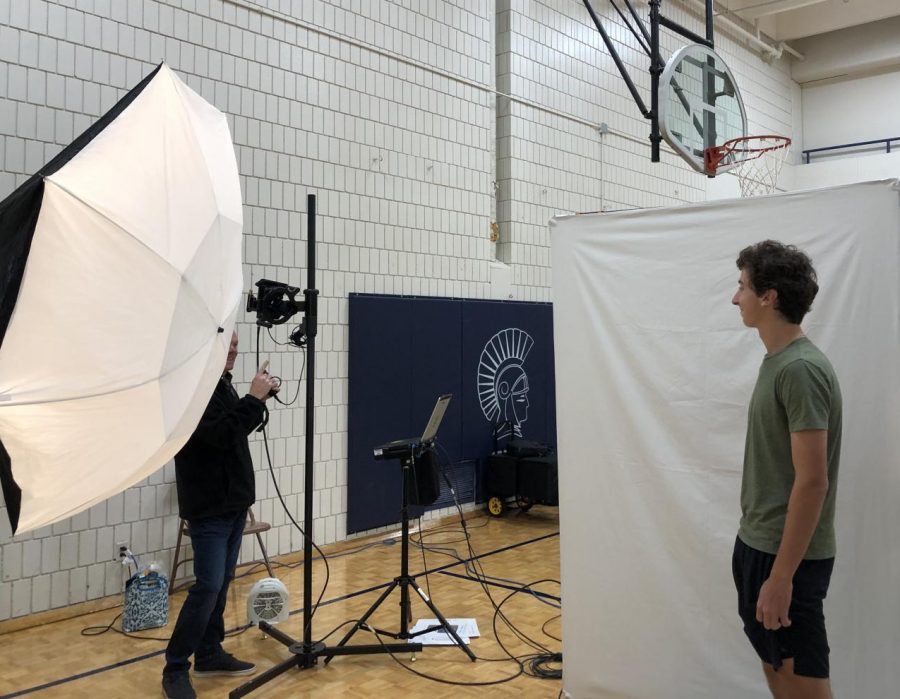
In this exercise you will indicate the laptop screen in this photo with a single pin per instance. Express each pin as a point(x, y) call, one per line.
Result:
point(436, 416)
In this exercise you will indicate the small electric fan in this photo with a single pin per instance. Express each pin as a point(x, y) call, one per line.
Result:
point(267, 601)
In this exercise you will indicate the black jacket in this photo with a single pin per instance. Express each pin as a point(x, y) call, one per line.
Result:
point(214, 471)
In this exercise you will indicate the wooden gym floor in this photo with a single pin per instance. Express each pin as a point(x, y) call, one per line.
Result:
point(55, 660)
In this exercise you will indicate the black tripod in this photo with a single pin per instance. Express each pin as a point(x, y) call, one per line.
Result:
point(305, 654)
point(404, 581)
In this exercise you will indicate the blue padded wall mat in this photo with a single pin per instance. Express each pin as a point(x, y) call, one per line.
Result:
point(495, 357)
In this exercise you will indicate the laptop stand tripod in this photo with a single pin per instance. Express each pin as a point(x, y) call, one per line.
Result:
point(404, 581)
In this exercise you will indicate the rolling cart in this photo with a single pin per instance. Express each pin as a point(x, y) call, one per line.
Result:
point(525, 472)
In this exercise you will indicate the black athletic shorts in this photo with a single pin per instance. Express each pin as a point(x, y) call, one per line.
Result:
point(805, 639)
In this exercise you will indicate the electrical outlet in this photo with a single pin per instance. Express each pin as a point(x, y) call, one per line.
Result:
point(121, 550)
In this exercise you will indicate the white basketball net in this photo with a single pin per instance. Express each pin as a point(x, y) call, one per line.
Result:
point(758, 161)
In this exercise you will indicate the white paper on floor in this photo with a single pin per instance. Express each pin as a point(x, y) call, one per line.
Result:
point(465, 629)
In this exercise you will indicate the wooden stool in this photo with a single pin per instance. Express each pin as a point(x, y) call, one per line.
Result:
point(252, 527)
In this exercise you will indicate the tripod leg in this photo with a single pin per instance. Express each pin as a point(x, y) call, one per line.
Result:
point(444, 623)
point(359, 624)
point(266, 676)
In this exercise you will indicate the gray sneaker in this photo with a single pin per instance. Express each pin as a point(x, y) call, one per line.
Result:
point(177, 685)
point(222, 664)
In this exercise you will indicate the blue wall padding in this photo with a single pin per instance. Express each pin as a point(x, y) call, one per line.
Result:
point(404, 352)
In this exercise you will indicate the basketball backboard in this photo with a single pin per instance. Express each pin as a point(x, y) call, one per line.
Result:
point(700, 105)
point(695, 104)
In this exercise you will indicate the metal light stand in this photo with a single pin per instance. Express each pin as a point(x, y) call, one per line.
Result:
point(306, 654)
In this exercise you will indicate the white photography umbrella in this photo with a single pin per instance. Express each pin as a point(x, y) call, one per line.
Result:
point(119, 286)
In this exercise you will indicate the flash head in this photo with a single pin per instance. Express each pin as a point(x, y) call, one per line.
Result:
point(275, 303)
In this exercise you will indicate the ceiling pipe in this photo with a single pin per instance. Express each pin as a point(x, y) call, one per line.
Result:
point(784, 47)
point(772, 52)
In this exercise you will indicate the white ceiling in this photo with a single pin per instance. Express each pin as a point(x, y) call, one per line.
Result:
point(831, 39)
point(785, 20)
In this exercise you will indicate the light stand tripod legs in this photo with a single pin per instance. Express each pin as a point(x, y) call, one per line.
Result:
point(271, 673)
point(404, 581)
point(304, 657)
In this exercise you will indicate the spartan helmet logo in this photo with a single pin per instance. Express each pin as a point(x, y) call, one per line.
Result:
point(502, 381)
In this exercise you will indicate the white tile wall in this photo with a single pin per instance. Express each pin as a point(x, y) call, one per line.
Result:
point(386, 111)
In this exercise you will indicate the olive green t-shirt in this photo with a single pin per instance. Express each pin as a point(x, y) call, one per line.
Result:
point(796, 390)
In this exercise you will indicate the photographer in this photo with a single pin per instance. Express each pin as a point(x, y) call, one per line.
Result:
point(214, 474)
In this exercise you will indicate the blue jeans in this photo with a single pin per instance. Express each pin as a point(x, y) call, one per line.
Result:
point(200, 628)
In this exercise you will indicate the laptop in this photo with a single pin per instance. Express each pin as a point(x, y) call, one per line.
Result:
point(402, 447)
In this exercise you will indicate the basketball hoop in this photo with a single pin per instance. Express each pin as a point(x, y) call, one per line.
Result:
point(756, 161)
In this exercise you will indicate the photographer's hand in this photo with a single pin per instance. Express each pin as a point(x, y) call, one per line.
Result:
point(263, 385)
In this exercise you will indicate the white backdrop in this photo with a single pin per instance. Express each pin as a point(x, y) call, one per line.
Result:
point(654, 371)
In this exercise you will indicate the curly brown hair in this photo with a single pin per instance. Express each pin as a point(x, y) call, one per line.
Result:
point(784, 268)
